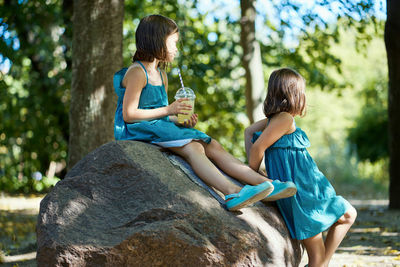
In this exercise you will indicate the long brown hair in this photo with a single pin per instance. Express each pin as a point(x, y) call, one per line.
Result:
point(286, 93)
point(151, 35)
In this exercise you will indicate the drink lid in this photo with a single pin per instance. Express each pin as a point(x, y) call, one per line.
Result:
point(185, 92)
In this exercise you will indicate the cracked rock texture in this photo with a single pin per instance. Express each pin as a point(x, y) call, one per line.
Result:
point(125, 204)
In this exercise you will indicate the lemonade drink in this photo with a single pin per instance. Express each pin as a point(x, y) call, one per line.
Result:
point(183, 117)
point(185, 92)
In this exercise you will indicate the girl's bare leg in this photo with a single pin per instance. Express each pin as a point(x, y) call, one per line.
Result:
point(337, 232)
point(231, 165)
point(315, 250)
point(195, 154)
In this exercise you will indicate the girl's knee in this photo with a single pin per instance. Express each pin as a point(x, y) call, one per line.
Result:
point(195, 148)
point(215, 145)
point(189, 150)
point(349, 216)
point(213, 148)
point(317, 261)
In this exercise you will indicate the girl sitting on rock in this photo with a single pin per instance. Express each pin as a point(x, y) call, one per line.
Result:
point(143, 114)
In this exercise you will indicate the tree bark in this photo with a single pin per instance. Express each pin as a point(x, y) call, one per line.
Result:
point(97, 55)
point(392, 41)
point(251, 61)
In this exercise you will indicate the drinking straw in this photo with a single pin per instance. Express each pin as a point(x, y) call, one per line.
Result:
point(180, 77)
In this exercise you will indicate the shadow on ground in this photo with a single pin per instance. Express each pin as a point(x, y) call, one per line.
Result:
point(375, 232)
point(18, 237)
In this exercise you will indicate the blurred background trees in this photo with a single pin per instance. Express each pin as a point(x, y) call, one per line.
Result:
point(35, 92)
point(336, 45)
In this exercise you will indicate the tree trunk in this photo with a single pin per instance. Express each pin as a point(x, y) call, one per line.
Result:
point(251, 61)
point(392, 41)
point(97, 55)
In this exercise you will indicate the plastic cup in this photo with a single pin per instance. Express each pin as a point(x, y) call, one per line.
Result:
point(185, 92)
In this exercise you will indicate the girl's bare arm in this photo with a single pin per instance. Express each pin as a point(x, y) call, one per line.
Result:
point(134, 81)
point(249, 131)
point(279, 125)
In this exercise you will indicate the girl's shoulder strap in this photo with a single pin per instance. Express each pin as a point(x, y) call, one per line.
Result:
point(145, 71)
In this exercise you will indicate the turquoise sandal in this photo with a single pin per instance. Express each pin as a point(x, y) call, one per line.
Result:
point(281, 190)
point(248, 195)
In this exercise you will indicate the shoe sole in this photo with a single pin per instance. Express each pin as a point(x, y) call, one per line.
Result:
point(255, 198)
point(284, 194)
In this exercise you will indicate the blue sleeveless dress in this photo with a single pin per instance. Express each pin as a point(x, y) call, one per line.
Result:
point(315, 207)
point(160, 131)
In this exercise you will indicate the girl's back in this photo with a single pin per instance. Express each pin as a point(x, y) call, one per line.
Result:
point(316, 206)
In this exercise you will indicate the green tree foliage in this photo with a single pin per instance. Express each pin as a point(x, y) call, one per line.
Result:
point(34, 93)
point(369, 138)
point(300, 37)
point(332, 115)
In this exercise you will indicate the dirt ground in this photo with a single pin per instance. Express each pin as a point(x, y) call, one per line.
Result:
point(374, 240)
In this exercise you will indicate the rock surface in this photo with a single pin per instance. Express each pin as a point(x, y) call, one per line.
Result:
point(125, 204)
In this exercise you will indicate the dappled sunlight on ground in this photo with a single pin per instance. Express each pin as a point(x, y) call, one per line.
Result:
point(18, 216)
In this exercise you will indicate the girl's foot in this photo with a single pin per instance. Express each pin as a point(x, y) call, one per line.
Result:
point(281, 190)
point(248, 195)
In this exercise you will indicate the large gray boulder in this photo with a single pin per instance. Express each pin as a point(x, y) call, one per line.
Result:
point(125, 204)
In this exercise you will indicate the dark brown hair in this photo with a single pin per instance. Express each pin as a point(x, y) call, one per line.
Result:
point(151, 35)
point(286, 93)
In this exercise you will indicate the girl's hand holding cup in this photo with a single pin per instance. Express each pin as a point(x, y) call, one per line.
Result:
point(180, 106)
point(190, 123)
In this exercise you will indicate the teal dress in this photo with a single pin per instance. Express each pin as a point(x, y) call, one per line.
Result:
point(160, 131)
point(315, 207)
